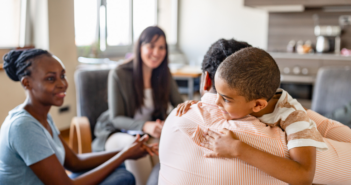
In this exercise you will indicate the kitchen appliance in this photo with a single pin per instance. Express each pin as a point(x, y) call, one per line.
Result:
point(328, 38)
point(322, 44)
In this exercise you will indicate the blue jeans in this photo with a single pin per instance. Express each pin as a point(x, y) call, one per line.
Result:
point(119, 176)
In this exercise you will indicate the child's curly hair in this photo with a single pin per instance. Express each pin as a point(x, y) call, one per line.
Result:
point(252, 72)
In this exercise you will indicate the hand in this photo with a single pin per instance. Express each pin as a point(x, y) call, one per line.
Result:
point(136, 149)
point(224, 144)
point(153, 128)
point(151, 149)
point(184, 107)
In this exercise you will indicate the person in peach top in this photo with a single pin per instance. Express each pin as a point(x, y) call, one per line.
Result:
point(183, 162)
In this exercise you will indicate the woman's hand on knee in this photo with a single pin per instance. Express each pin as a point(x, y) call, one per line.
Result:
point(153, 128)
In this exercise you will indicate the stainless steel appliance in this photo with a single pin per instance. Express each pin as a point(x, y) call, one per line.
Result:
point(328, 38)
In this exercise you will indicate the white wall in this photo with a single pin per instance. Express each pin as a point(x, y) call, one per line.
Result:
point(202, 22)
point(53, 30)
point(62, 44)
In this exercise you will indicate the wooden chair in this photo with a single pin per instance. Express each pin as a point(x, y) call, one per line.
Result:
point(79, 136)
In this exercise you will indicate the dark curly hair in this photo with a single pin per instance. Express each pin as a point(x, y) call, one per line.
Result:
point(218, 52)
point(252, 72)
point(16, 62)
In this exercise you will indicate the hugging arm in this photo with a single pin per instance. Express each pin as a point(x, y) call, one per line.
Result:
point(299, 170)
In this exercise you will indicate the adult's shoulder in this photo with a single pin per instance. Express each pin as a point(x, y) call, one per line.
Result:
point(122, 70)
point(22, 122)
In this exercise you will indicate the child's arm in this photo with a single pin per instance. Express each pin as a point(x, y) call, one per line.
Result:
point(299, 170)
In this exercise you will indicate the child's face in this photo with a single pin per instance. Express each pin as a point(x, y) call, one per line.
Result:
point(232, 104)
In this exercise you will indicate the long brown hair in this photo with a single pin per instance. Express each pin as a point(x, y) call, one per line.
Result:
point(160, 78)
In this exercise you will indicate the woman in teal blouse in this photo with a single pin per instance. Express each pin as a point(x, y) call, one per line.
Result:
point(32, 151)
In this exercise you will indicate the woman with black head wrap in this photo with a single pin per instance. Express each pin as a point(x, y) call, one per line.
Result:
point(32, 151)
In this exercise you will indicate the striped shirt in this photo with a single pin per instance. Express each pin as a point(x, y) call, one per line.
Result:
point(182, 161)
point(289, 115)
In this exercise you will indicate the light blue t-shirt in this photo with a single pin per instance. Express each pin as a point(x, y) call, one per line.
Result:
point(23, 142)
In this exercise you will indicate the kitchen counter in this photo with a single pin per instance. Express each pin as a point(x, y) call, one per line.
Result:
point(317, 56)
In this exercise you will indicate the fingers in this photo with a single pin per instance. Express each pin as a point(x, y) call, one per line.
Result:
point(211, 155)
point(213, 134)
point(148, 150)
point(224, 131)
point(207, 145)
point(144, 138)
point(209, 138)
point(184, 107)
point(177, 109)
point(155, 149)
point(137, 139)
point(180, 108)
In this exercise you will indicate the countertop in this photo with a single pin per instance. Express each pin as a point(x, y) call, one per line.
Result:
point(317, 56)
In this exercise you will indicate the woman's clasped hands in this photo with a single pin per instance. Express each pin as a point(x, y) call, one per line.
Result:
point(139, 149)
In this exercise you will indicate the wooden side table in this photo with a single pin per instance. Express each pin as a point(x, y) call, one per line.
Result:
point(187, 73)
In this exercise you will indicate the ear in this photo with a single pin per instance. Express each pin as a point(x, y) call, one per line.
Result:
point(25, 83)
point(207, 81)
point(259, 105)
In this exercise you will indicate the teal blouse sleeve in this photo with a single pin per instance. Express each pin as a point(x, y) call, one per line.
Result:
point(29, 140)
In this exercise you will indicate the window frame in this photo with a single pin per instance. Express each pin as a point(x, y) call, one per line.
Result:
point(120, 51)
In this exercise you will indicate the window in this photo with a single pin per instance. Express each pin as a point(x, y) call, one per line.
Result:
point(85, 20)
point(10, 20)
point(118, 13)
point(107, 28)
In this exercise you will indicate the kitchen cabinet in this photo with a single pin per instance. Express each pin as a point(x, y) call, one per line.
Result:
point(299, 72)
point(299, 68)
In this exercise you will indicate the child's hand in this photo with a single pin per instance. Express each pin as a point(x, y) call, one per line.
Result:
point(184, 107)
point(223, 144)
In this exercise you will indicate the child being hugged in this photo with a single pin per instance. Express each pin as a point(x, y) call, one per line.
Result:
point(247, 84)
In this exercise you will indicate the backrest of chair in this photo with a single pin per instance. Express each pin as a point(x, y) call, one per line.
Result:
point(91, 90)
point(332, 89)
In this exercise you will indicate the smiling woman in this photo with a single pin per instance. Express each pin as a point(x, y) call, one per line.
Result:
point(139, 93)
point(32, 150)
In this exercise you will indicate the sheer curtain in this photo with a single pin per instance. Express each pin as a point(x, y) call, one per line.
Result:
point(10, 20)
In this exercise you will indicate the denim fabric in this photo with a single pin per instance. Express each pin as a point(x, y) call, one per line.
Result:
point(120, 176)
